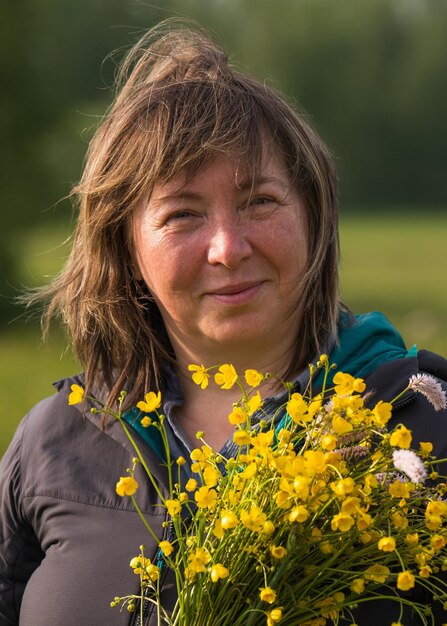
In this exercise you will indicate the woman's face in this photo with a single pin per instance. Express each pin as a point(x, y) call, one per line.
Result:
point(223, 260)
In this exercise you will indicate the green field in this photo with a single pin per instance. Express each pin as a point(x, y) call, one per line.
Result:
point(396, 264)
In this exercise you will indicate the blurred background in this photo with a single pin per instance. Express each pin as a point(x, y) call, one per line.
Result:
point(371, 75)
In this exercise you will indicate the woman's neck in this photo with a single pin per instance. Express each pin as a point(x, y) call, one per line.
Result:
point(207, 410)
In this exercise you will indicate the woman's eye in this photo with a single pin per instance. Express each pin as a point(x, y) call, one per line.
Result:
point(261, 204)
point(180, 215)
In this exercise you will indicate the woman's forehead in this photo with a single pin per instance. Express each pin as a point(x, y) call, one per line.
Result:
point(243, 171)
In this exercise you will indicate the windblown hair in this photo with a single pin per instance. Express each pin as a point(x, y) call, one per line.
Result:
point(180, 103)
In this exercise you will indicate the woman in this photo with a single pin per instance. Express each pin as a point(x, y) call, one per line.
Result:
point(207, 233)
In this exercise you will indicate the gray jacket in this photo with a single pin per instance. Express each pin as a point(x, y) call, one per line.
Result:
point(66, 537)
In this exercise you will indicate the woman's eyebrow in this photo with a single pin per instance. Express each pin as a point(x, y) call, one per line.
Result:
point(249, 182)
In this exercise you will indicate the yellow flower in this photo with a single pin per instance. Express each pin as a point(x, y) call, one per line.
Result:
point(297, 408)
point(241, 438)
point(399, 521)
point(210, 476)
point(340, 426)
point(426, 448)
point(357, 585)
point(191, 485)
point(237, 416)
point(342, 521)
point(200, 456)
point(438, 542)
point(77, 395)
point(268, 528)
point(254, 519)
point(364, 520)
point(254, 403)
point(205, 497)
point(400, 490)
point(267, 594)
point(315, 462)
point(412, 539)
point(228, 519)
point(226, 377)
point(401, 437)
point(405, 581)
point(173, 507)
point(274, 616)
point(377, 573)
point(146, 421)
point(425, 571)
point(200, 376)
point(278, 552)
point(253, 378)
point(387, 544)
point(329, 442)
point(218, 571)
point(126, 486)
point(181, 461)
point(382, 413)
point(298, 514)
point(345, 384)
point(166, 547)
point(249, 471)
point(342, 487)
point(145, 568)
point(218, 531)
point(151, 402)
point(198, 560)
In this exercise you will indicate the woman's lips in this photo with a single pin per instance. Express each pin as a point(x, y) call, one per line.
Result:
point(236, 294)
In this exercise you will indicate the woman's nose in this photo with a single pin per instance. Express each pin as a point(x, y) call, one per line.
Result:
point(228, 245)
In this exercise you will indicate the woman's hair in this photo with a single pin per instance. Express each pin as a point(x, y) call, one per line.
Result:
point(180, 103)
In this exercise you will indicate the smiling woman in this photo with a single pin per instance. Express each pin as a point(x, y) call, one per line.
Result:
point(207, 235)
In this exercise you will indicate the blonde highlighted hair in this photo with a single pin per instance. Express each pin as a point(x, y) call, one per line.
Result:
point(180, 103)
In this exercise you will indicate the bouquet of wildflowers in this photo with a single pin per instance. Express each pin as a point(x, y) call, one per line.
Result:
point(321, 509)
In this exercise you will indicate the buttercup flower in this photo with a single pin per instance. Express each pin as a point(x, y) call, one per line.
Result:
point(358, 585)
point(126, 486)
point(77, 395)
point(426, 448)
point(166, 547)
point(401, 437)
point(151, 402)
point(387, 544)
point(278, 552)
point(218, 571)
point(205, 497)
point(226, 376)
point(254, 403)
point(274, 616)
point(377, 573)
point(345, 384)
point(237, 416)
point(173, 506)
point(267, 594)
point(200, 376)
point(382, 413)
point(253, 378)
point(405, 581)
